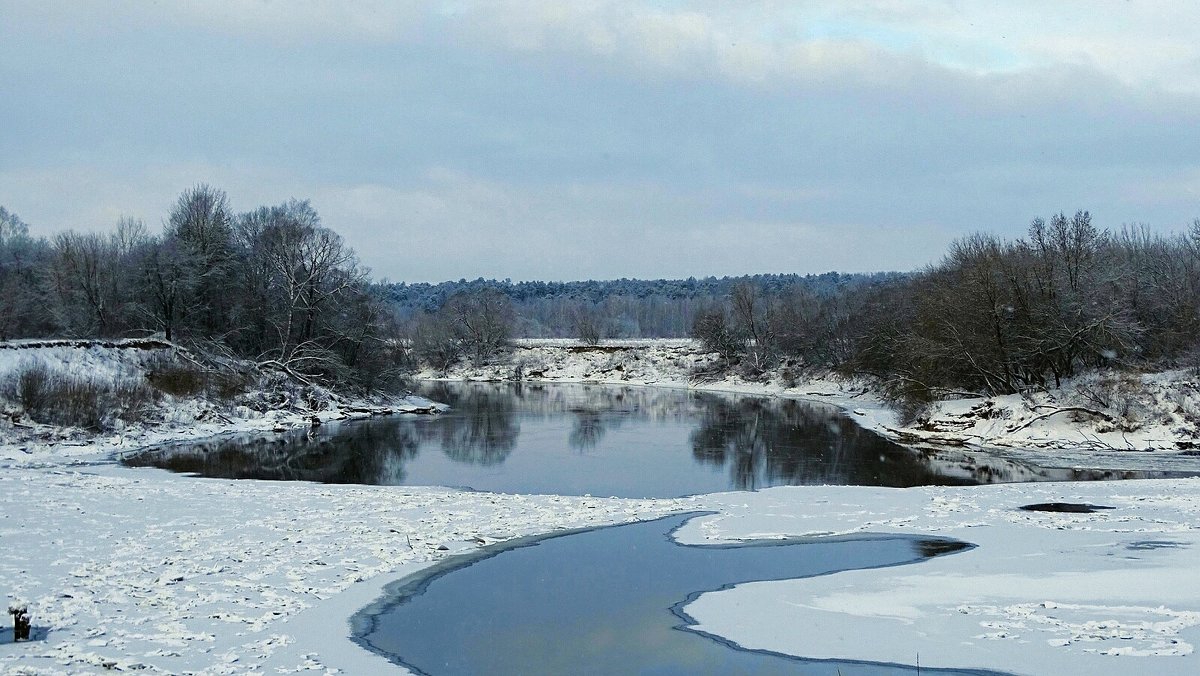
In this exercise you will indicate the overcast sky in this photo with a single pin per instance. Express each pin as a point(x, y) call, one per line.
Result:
point(547, 139)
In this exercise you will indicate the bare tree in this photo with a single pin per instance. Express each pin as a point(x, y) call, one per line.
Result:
point(24, 261)
point(588, 325)
point(82, 277)
point(167, 283)
point(434, 342)
point(310, 268)
point(717, 334)
point(481, 321)
point(201, 222)
point(750, 314)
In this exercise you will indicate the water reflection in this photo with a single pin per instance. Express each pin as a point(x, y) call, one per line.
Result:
point(765, 442)
point(355, 454)
point(587, 431)
point(608, 601)
point(485, 438)
point(602, 440)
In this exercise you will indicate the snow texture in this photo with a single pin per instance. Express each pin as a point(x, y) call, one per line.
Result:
point(1110, 592)
point(140, 569)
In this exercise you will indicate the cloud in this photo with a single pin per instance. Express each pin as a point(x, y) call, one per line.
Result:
point(265, 21)
point(561, 139)
point(753, 42)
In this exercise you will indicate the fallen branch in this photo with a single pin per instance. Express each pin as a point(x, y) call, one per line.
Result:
point(1069, 409)
point(280, 366)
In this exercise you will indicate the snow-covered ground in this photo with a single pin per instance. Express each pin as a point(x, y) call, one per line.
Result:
point(1111, 592)
point(142, 569)
point(1106, 420)
point(127, 568)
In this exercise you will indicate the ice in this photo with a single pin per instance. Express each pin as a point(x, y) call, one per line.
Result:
point(140, 569)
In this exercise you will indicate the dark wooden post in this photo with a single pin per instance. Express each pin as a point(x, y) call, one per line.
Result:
point(21, 622)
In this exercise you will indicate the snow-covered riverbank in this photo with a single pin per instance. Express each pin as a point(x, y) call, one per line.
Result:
point(1107, 420)
point(266, 405)
point(137, 568)
point(142, 569)
point(127, 568)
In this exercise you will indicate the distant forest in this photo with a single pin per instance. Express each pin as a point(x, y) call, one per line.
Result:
point(276, 286)
point(621, 308)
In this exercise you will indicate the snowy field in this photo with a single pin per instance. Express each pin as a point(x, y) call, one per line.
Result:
point(139, 569)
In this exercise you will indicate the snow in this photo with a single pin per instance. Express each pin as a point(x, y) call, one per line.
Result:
point(1042, 593)
point(128, 568)
point(142, 568)
point(1150, 420)
point(139, 568)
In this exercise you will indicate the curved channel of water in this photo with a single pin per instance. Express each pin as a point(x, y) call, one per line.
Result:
point(609, 601)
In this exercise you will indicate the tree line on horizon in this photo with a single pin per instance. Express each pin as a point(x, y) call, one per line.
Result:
point(618, 308)
point(276, 286)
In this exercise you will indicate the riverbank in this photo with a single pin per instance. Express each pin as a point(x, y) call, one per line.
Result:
point(1105, 420)
point(174, 401)
point(126, 568)
point(140, 569)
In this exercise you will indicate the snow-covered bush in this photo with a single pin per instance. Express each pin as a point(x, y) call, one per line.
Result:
point(177, 378)
point(55, 397)
point(30, 386)
point(1122, 395)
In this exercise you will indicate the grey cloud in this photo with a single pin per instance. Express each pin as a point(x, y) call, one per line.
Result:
point(443, 157)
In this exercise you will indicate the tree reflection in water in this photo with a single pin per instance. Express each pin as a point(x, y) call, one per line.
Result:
point(576, 439)
point(771, 442)
point(485, 437)
point(587, 431)
point(352, 454)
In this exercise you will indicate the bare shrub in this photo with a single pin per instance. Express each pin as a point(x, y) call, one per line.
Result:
point(218, 380)
point(178, 379)
point(715, 332)
point(752, 370)
point(789, 377)
point(911, 412)
point(52, 397)
point(1124, 396)
point(227, 386)
point(130, 400)
point(709, 371)
point(588, 326)
point(31, 386)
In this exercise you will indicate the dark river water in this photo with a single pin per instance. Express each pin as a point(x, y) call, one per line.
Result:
point(608, 601)
point(597, 440)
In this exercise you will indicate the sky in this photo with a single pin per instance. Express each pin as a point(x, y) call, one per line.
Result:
point(558, 140)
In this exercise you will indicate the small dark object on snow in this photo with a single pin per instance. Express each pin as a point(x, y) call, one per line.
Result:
point(21, 622)
point(314, 421)
point(1071, 507)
